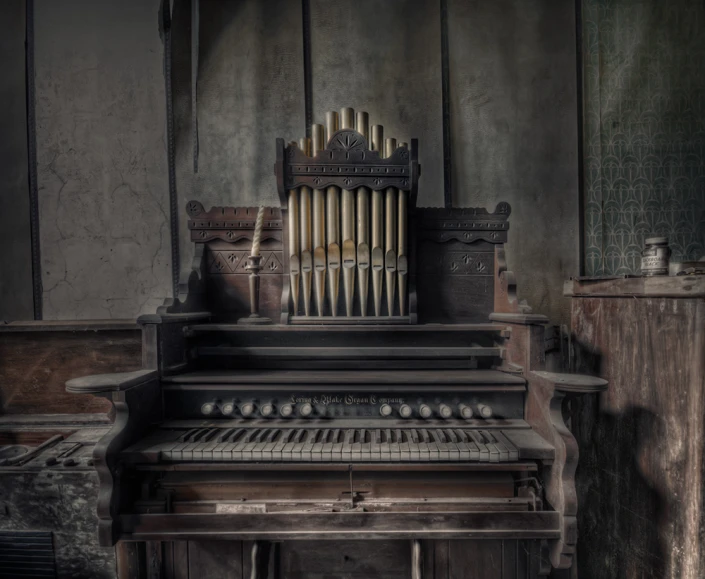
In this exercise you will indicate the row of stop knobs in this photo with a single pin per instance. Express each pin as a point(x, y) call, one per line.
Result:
point(306, 410)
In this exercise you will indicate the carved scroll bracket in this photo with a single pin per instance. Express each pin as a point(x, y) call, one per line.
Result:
point(547, 394)
point(135, 397)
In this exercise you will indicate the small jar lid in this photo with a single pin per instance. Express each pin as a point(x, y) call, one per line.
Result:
point(656, 241)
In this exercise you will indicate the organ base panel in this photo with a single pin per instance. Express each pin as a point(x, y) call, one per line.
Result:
point(401, 395)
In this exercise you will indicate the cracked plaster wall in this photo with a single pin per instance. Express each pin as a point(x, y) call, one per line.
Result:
point(513, 103)
point(100, 108)
point(101, 156)
point(514, 134)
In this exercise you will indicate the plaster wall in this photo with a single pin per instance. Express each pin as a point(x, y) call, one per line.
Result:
point(514, 134)
point(101, 126)
point(102, 171)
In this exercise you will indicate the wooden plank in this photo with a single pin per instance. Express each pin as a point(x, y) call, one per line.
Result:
point(475, 560)
point(681, 286)
point(402, 329)
point(346, 559)
point(154, 559)
point(274, 526)
point(130, 560)
point(441, 563)
point(641, 447)
point(345, 353)
point(215, 559)
point(68, 325)
point(180, 559)
point(524, 466)
point(34, 367)
point(317, 377)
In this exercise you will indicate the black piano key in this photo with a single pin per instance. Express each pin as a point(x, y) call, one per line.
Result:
point(499, 445)
point(384, 449)
point(424, 449)
point(511, 449)
point(440, 440)
point(278, 454)
point(414, 447)
point(269, 444)
point(434, 454)
point(336, 447)
point(190, 434)
point(206, 451)
point(404, 450)
point(288, 448)
point(248, 452)
point(349, 434)
point(479, 441)
point(307, 450)
point(395, 445)
point(366, 444)
point(297, 448)
point(356, 452)
point(260, 443)
point(454, 452)
point(237, 446)
point(375, 442)
point(495, 454)
point(317, 450)
point(195, 452)
point(469, 450)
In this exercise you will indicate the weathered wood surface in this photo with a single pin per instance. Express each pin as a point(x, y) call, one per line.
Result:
point(37, 358)
point(387, 559)
point(682, 286)
point(640, 479)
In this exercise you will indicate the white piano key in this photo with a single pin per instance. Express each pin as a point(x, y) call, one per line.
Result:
point(307, 450)
point(480, 443)
point(356, 453)
point(499, 445)
point(384, 449)
point(269, 444)
point(366, 445)
point(395, 446)
point(404, 446)
point(513, 450)
point(336, 446)
point(469, 450)
point(298, 445)
point(317, 450)
point(440, 440)
point(414, 447)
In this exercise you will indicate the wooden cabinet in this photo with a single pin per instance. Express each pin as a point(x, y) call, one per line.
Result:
point(640, 479)
point(442, 559)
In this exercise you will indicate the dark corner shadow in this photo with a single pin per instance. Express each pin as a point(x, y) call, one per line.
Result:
point(622, 514)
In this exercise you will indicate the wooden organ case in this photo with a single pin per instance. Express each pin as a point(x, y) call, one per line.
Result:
point(401, 425)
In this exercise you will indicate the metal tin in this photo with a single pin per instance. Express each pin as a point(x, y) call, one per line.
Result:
point(655, 257)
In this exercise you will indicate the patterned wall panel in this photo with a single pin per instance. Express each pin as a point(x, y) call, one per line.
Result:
point(644, 130)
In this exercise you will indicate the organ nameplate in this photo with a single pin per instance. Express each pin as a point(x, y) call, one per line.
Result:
point(240, 509)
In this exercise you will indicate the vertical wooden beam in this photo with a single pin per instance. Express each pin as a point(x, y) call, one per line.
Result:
point(581, 144)
point(165, 28)
point(308, 90)
point(445, 96)
point(37, 290)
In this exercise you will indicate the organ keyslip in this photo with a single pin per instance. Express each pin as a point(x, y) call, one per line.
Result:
point(410, 400)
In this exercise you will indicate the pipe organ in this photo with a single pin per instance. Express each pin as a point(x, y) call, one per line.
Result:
point(412, 405)
point(347, 197)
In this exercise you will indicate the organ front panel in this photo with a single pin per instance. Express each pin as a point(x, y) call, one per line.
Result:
point(346, 418)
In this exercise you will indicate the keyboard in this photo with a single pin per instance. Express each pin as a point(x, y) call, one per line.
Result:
point(330, 445)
